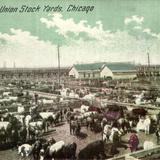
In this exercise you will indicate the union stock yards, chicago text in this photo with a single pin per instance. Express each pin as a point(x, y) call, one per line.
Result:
point(45, 8)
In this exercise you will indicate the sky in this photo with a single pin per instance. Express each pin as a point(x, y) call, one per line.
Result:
point(115, 31)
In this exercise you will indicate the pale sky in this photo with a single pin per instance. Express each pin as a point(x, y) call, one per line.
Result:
point(115, 31)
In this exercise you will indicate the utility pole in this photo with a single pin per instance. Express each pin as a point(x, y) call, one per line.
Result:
point(148, 60)
point(58, 67)
point(149, 65)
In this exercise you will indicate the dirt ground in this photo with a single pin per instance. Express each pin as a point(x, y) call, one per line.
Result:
point(62, 133)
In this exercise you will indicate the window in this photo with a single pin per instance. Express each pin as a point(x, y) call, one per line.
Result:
point(88, 74)
point(84, 75)
point(93, 75)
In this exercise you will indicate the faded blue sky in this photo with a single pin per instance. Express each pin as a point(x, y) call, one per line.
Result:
point(116, 30)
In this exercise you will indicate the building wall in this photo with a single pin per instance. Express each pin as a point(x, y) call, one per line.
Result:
point(148, 72)
point(89, 75)
point(124, 75)
point(73, 72)
point(106, 72)
point(29, 74)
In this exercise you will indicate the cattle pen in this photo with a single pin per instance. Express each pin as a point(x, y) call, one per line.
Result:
point(139, 155)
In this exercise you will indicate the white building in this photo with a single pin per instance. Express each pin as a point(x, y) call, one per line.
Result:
point(103, 70)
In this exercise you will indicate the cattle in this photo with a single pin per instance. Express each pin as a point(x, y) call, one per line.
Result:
point(59, 150)
point(84, 108)
point(13, 98)
point(144, 124)
point(140, 125)
point(4, 100)
point(55, 147)
point(124, 125)
point(50, 117)
point(92, 150)
point(139, 112)
point(106, 132)
point(20, 118)
point(46, 115)
point(4, 125)
point(140, 99)
point(88, 114)
point(35, 128)
point(113, 130)
point(53, 151)
point(65, 92)
point(33, 110)
point(6, 94)
point(157, 101)
point(47, 101)
point(89, 97)
point(24, 150)
point(20, 109)
point(5, 129)
point(27, 120)
point(73, 94)
point(38, 124)
point(70, 151)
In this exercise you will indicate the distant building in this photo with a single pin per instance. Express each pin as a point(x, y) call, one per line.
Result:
point(151, 71)
point(32, 73)
point(103, 70)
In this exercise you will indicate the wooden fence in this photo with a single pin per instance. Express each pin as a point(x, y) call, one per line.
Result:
point(138, 155)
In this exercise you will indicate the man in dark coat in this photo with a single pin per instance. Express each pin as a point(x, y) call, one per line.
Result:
point(116, 142)
point(158, 135)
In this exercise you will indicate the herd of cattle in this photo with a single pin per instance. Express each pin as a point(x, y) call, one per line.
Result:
point(114, 121)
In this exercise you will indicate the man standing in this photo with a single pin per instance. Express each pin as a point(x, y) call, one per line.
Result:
point(147, 123)
point(133, 142)
point(158, 134)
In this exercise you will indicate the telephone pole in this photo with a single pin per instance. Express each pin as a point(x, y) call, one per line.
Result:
point(59, 81)
point(148, 60)
point(149, 65)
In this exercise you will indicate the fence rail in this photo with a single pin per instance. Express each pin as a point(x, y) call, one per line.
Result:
point(138, 155)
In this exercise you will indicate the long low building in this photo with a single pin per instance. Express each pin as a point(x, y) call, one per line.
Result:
point(32, 73)
point(151, 71)
point(104, 70)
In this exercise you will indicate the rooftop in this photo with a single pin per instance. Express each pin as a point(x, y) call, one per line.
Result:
point(113, 66)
